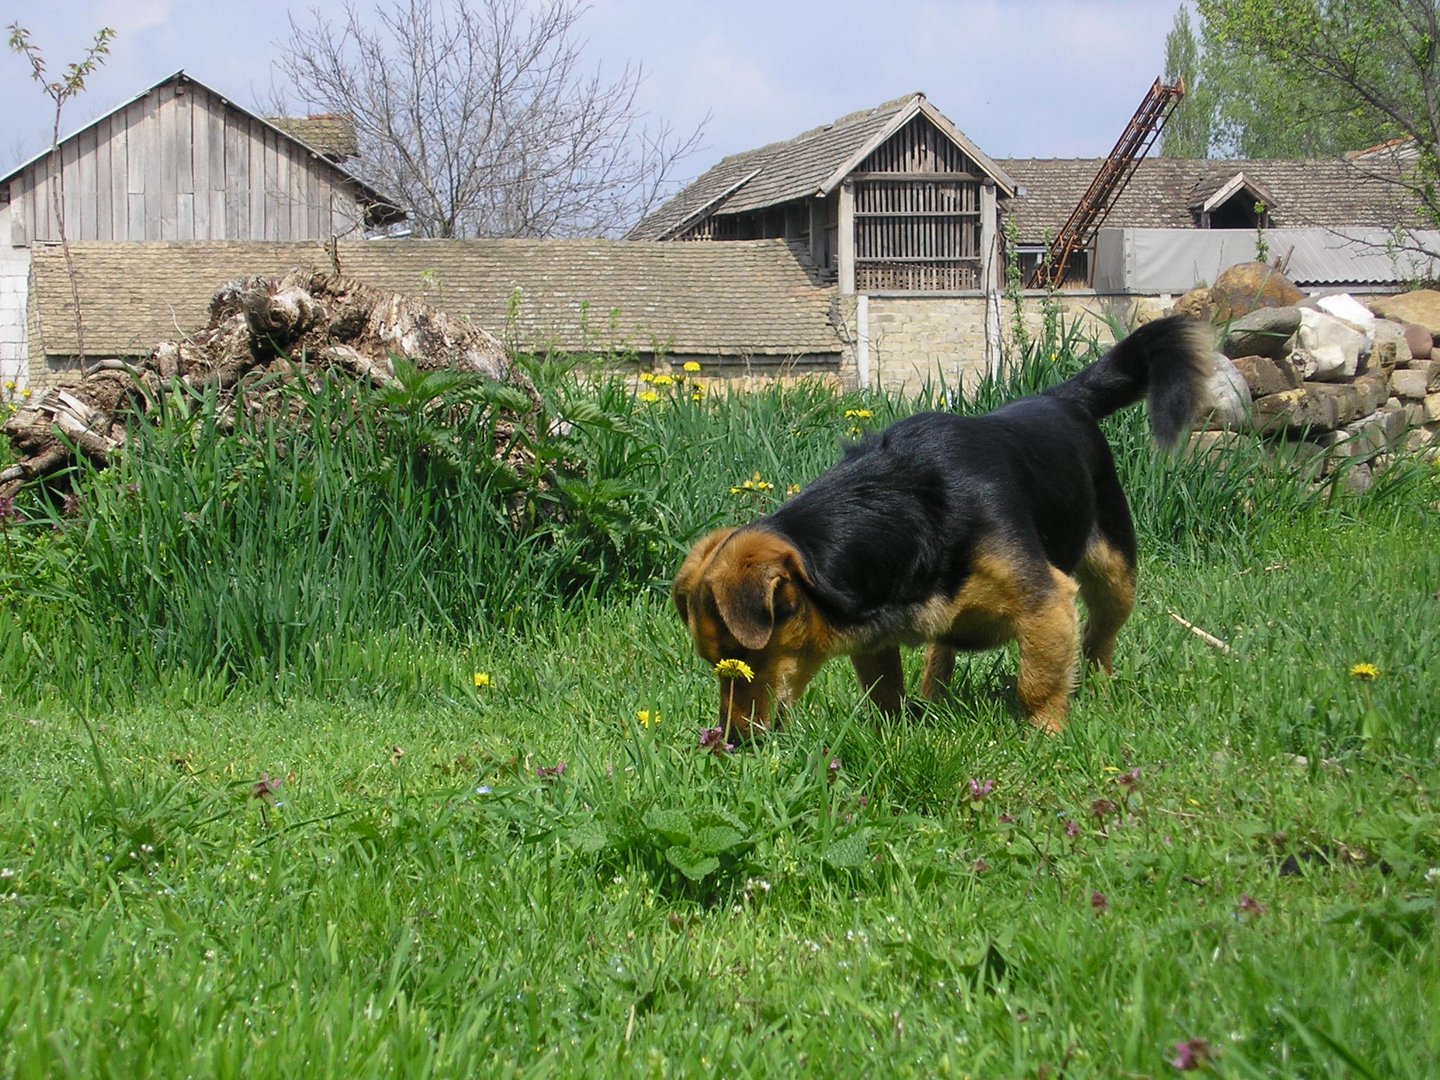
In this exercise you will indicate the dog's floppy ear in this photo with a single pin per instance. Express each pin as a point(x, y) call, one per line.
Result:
point(690, 569)
point(745, 594)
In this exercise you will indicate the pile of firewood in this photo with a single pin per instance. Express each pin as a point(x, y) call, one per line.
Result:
point(262, 333)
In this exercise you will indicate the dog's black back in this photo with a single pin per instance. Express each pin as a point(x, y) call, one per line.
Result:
point(902, 516)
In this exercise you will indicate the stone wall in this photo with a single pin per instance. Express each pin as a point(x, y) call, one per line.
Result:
point(1330, 383)
point(917, 341)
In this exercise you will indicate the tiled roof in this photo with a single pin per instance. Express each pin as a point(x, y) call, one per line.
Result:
point(331, 134)
point(741, 298)
point(782, 171)
point(1159, 196)
point(794, 168)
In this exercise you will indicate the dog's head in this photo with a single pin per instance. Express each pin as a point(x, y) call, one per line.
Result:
point(742, 595)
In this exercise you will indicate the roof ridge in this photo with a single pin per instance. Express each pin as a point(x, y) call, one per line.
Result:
point(822, 129)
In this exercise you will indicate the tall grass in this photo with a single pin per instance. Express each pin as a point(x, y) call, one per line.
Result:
point(218, 552)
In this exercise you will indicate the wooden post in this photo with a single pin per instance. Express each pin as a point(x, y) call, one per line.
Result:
point(989, 273)
point(818, 254)
point(846, 239)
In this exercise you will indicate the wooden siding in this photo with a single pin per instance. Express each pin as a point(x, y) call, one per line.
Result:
point(918, 220)
point(180, 163)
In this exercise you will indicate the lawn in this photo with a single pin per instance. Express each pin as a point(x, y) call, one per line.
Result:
point(288, 805)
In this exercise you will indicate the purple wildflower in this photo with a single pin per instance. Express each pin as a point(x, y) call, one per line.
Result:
point(1072, 828)
point(1100, 809)
point(266, 787)
point(1130, 781)
point(8, 513)
point(713, 739)
point(1099, 903)
point(71, 505)
point(832, 770)
point(980, 790)
point(1250, 906)
point(551, 772)
point(979, 866)
point(1192, 1054)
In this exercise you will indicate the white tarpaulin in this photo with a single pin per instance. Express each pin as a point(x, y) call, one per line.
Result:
point(1177, 260)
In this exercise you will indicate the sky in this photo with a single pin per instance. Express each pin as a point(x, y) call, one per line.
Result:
point(1021, 78)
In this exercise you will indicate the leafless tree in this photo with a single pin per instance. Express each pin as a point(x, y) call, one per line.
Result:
point(59, 91)
point(480, 119)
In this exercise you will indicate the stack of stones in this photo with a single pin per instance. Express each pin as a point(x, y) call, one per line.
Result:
point(1339, 385)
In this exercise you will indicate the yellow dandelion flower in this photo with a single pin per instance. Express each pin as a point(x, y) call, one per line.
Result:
point(664, 380)
point(646, 377)
point(649, 397)
point(697, 393)
point(737, 491)
point(26, 392)
point(691, 367)
point(482, 680)
point(1364, 671)
point(645, 717)
point(792, 489)
point(858, 414)
point(735, 669)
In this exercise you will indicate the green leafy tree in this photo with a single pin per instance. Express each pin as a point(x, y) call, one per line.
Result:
point(1267, 96)
point(1187, 133)
point(1327, 76)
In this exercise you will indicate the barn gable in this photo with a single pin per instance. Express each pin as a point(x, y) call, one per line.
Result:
point(182, 162)
point(894, 198)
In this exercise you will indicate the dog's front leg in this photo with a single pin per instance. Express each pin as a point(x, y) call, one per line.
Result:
point(882, 677)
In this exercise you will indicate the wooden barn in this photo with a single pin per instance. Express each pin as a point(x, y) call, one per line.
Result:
point(889, 199)
point(182, 162)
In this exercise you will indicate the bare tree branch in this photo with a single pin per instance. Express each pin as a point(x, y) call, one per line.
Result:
point(480, 119)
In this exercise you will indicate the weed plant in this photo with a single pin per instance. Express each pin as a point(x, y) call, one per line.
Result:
point(338, 749)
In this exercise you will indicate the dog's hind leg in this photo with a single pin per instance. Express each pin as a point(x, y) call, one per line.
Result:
point(882, 677)
point(1049, 635)
point(939, 666)
point(1107, 585)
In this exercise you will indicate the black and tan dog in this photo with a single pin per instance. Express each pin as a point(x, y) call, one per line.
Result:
point(961, 532)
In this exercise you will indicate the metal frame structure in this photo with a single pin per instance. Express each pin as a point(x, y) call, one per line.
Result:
point(1078, 232)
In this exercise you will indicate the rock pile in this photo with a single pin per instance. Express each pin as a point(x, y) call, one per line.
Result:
point(1330, 379)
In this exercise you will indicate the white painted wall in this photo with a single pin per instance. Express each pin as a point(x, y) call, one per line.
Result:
point(14, 287)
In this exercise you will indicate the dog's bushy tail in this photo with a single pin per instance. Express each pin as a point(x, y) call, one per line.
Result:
point(1167, 362)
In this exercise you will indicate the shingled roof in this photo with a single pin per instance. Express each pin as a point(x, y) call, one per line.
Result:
point(330, 134)
point(752, 299)
point(809, 164)
point(1326, 193)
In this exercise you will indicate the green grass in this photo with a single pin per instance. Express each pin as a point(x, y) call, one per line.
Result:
point(338, 856)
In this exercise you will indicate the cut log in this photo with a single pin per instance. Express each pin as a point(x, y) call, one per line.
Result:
point(286, 329)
